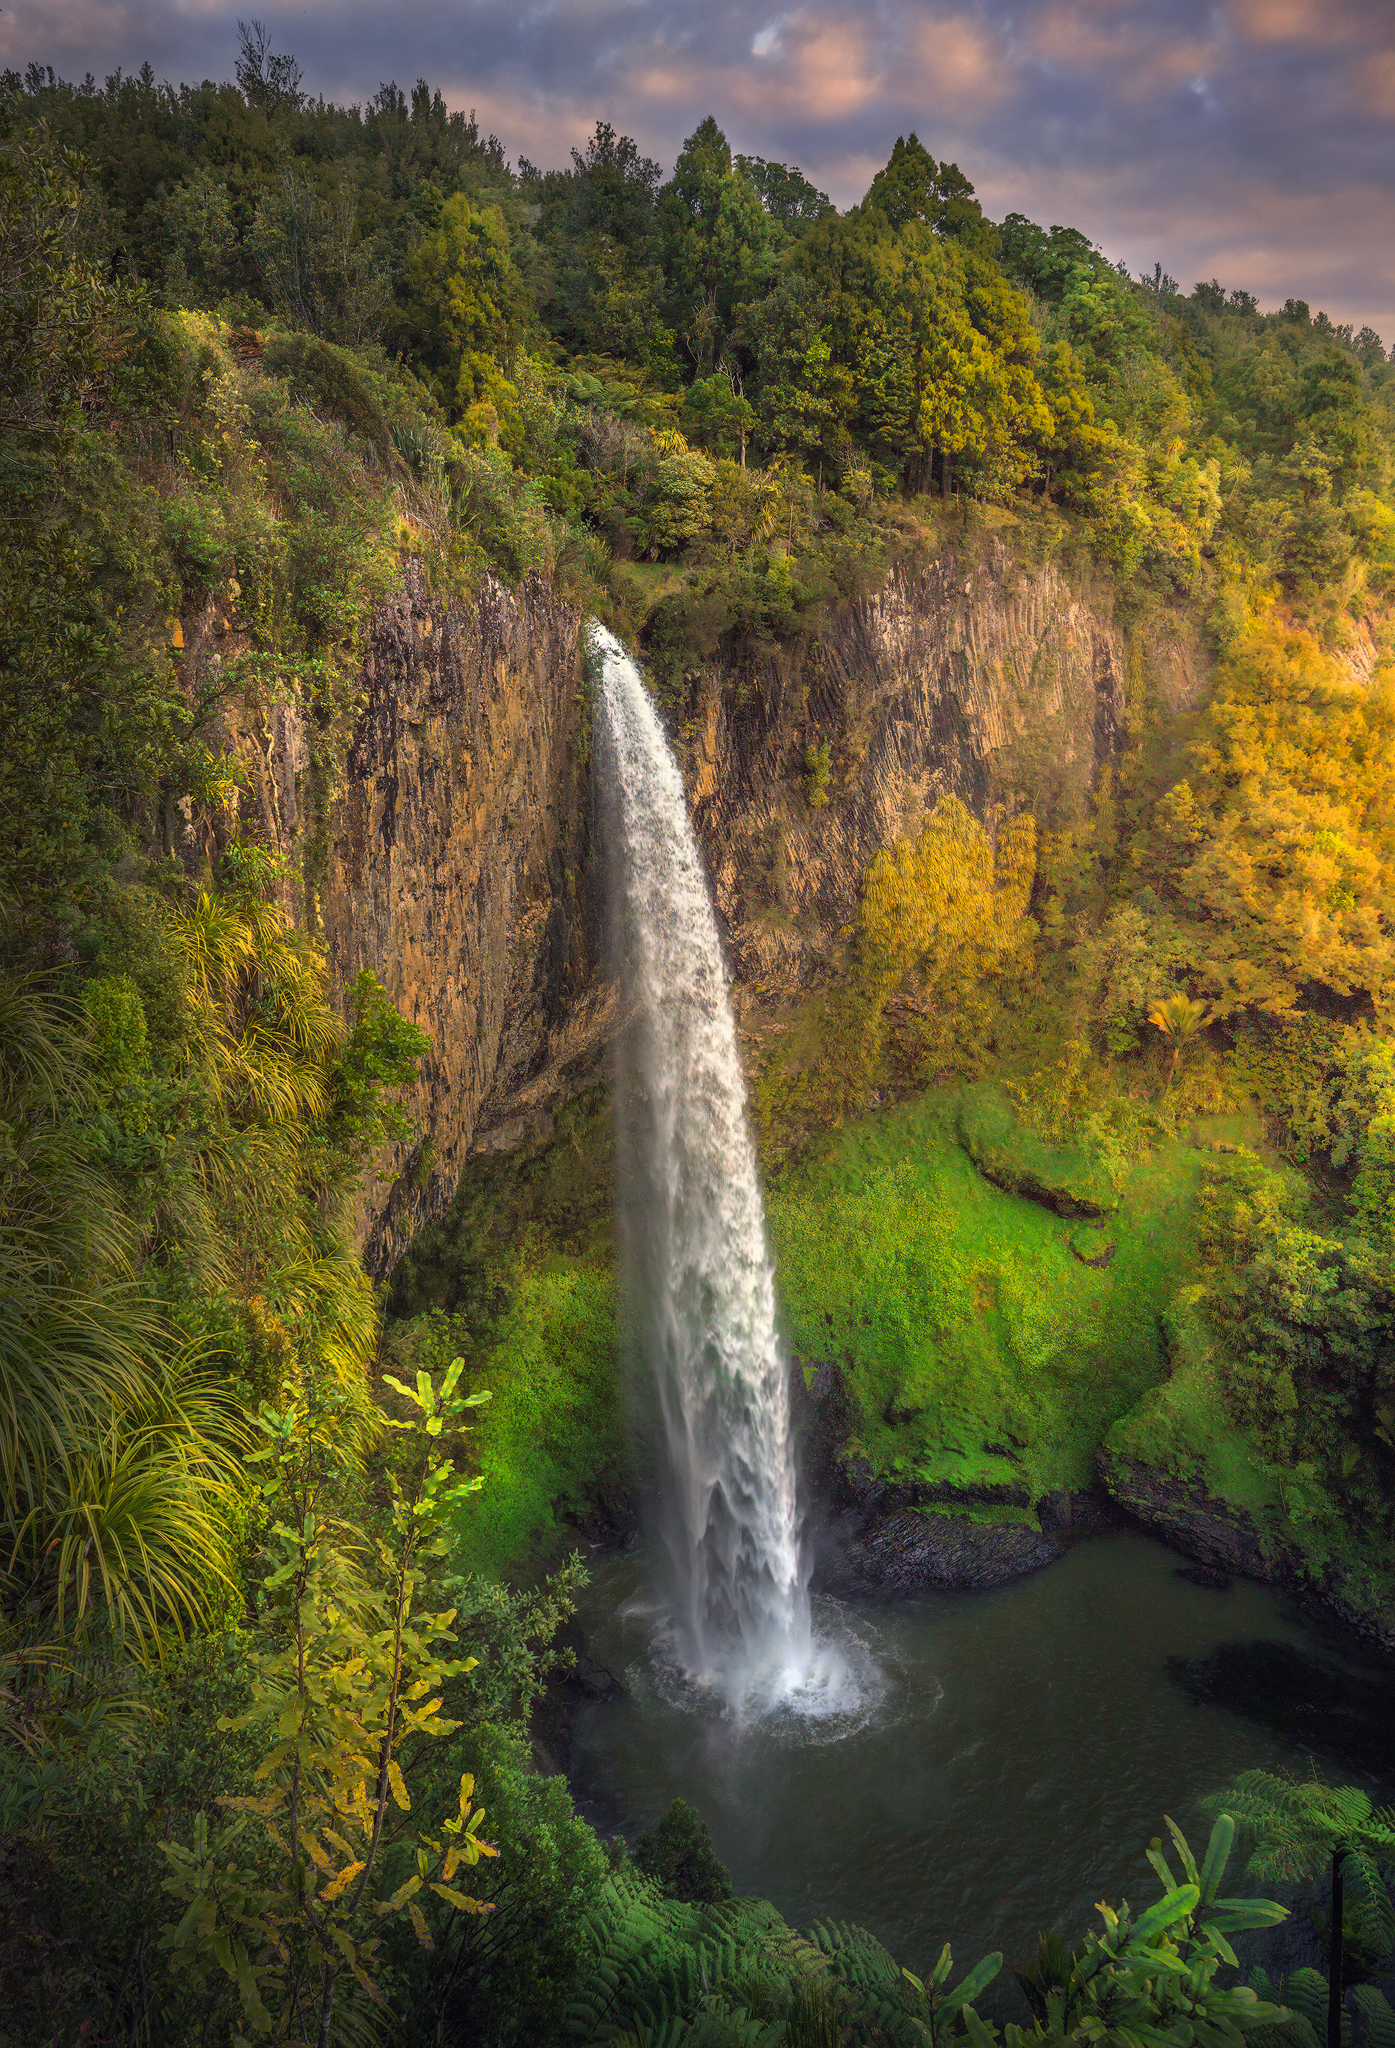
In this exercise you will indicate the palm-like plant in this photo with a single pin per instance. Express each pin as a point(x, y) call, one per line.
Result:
point(133, 1526)
point(1298, 1824)
point(1179, 1018)
point(75, 1330)
point(261, 1022)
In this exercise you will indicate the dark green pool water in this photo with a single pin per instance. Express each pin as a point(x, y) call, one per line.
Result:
point(1009, 1753)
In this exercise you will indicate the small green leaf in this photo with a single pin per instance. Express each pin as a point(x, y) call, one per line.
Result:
point(1166, 1913)
point(1184, 1849)
point(981, 2035)
point(1217, 1856)
point(981, 1975)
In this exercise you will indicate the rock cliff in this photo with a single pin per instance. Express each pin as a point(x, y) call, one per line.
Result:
point(446, 838)
point(981, 678)
point(442, 839)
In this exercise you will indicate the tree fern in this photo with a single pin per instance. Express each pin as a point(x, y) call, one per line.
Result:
point(735, 1975)
point(1296, 1824)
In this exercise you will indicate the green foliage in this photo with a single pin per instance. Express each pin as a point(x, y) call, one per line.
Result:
point(1294, 1825)
point(117, 1462)
point(1153, 1976)
point(1304, 1322)
point(61, 317)
point(555, 1442)
point(727, 1976)
point(913, 187)
point(981, 1360)
point(734, 1976)
point(112, 1757)
point(339, 1698)
point(315, 267)
point(381, 1052)
point(509, 1975)
point(679, 1856)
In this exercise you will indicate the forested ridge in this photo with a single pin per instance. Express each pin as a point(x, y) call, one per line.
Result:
point(279, 1575)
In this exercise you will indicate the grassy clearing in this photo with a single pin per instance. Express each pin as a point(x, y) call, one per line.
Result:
point(979, 1351)
point(983, 1357)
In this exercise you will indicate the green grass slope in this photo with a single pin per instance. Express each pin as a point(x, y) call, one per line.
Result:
point(985, 1360)
point(988, 1344)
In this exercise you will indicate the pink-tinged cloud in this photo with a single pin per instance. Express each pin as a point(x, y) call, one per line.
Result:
point(962, 66)
point(1320, 22)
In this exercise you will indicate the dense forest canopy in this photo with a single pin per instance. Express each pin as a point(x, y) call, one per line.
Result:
point(257, 351)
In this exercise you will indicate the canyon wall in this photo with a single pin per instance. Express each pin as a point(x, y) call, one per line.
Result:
point(448, 839)
point(441, 839)
point(988, 680)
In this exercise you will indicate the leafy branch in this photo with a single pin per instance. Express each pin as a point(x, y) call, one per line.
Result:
point(284, 1899)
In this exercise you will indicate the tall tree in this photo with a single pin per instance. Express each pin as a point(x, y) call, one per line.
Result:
point(911, 186)
point(716, 244)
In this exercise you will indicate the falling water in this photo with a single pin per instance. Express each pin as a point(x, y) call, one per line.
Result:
point(700, 1277)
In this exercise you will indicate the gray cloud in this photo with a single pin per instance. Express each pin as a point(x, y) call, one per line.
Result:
point(1250, 139)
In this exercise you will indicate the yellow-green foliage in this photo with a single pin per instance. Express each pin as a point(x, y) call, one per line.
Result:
point(1279, 849)
point(941, 927)
point(463, 302)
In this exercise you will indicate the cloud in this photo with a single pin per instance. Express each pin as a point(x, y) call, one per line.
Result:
point(1255, 138)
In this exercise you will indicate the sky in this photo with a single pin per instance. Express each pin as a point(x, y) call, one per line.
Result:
point(1248, 140)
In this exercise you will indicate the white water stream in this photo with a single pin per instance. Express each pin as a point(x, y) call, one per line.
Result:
point(699, 1277)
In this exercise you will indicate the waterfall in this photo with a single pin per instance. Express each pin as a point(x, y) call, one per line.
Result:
point(699, 1277)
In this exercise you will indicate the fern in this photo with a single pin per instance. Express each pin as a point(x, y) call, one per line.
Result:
point(733, 1975)
point(1305, 1993)
point(1377, 2016)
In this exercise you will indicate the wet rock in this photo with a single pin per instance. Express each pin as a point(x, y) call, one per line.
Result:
point(1085, 1511)
point(442, 840)
point(912, 1552)
point(1204, 1575)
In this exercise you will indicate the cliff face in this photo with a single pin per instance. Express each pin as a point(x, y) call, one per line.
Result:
point(446, 848)
point(988, 681)
point(446, 841)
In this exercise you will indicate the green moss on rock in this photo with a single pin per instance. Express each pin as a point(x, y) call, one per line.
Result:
point(1061, 1177)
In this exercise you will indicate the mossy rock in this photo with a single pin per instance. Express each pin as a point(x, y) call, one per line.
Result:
point(1061, 1177)
point(1093, 1246)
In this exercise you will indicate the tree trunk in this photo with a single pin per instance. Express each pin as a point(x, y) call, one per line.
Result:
point(327, 2009)
point(1334, 1956)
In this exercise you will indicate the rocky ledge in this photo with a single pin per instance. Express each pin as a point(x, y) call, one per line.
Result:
point(1223, 1537)
point(914, 1551)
